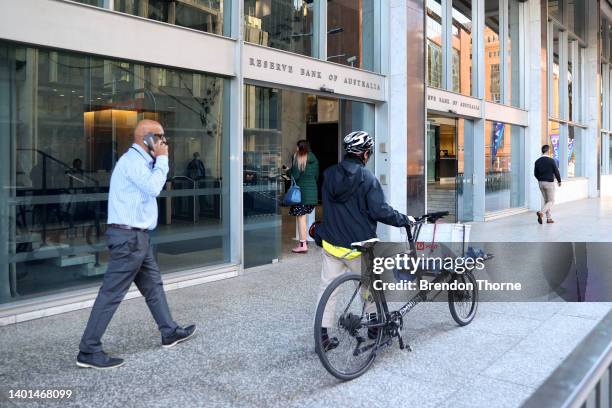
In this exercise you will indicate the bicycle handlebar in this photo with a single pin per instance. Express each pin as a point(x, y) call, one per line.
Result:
point(429, 217)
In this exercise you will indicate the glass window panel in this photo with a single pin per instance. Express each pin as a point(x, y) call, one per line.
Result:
point(574, 148)
point(76, 116)
point(555, 9)
point(492, 52)
point(504, 166)
point(513, 57)
point(282, 24)
point(465, 171)
point(97, 3)
point(202, 15)
point(570, 80)
point(462, 46)
point(610, 154)
point(554, 91)
point(554, 133)
point(576, 11)
point(350, 33)
point(434, 43)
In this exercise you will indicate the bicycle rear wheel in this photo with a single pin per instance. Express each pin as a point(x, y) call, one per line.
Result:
point(347, 309)
point(464, 303)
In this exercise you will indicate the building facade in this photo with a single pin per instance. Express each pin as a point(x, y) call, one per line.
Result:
point(459, 94)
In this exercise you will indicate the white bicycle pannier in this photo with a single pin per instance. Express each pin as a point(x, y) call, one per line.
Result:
point(443, 239)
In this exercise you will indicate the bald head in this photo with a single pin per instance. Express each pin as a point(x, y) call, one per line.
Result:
point(146, 126)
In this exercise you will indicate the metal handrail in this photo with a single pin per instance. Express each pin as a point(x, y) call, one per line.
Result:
point(47, 156)
point(579, 380)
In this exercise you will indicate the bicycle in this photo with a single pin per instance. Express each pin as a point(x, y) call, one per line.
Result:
point(365, 324)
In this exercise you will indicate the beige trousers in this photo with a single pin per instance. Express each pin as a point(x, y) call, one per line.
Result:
point(548, 193)
point(331, 268)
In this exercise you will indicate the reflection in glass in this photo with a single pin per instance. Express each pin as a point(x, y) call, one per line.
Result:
point(462, 47)
point(465, 171)
point(492, 52)
point(97, 3)
point(442, 166)
point(610, 154)
point(282, 24)
point(577, 12)
point(556, 83)
point(202, 15)
point(554, 133)
point(434, 43)
point(77, 114)
point(570, 80)
point(449, 188)
point(555, 9)
point(513, 57)
point(574, 148)
point(350, 33)
point(504, 166)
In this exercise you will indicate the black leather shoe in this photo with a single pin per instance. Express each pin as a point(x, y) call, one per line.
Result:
point(180, 335)
point(329, 343)
point(99, 361)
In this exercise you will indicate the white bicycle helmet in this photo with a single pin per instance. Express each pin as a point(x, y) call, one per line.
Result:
point(358, 142)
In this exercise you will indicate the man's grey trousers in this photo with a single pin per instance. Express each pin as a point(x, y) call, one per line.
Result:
point(131, 260)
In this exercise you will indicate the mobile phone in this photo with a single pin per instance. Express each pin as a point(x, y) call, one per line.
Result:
point(149, 140)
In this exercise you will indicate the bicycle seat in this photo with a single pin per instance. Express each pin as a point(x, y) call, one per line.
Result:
point(363, 245)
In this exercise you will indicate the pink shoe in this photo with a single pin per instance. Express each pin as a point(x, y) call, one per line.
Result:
point(301, 248)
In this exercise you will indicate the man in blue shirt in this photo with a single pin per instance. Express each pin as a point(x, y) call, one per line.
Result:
point(138, 178)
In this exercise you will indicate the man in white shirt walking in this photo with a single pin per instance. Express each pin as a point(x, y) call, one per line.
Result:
point(138, 178)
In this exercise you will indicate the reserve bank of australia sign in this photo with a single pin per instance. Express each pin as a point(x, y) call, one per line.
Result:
point(277, 67)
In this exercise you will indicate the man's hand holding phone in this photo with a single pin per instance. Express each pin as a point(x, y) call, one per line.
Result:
point(160, 147)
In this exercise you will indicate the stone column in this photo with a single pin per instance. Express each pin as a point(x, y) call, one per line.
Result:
point(536, 100)
point(592, 75)
point(401, 36)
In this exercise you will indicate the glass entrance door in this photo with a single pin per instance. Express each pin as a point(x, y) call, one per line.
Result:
point(442, 165)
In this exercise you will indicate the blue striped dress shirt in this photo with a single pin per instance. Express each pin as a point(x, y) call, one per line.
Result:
point(136, 182)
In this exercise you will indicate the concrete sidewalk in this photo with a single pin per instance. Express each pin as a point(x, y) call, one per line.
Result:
point(588, 220)
point(255, 349)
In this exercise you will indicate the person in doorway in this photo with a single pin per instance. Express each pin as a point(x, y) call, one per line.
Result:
point(546, 171)
point(195, 168)
point(305, 172)
point(138, 178)
point(353, 205)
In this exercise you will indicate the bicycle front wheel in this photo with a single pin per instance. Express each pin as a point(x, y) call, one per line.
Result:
point(463, 303)
point(349, 311)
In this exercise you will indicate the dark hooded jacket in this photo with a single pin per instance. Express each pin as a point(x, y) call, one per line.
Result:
point(353, 203)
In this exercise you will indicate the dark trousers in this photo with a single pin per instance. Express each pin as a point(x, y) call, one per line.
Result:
point(131, 260)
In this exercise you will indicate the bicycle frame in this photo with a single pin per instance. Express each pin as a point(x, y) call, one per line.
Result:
point(421, 296)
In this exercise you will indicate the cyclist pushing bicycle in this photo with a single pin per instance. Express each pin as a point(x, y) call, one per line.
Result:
point(353, 321)
point(353, 203)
